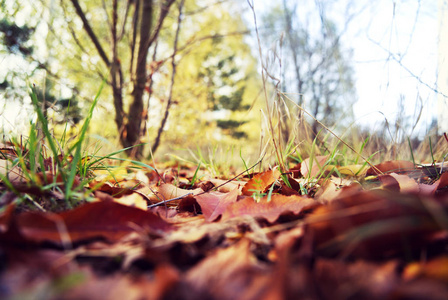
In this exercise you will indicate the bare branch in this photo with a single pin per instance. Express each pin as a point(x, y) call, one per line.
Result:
point(135, 19)
point(90, 32)
point(120, 36)
point(173, 75)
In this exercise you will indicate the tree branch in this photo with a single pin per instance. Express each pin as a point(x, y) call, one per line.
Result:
point(90, 32)
point(173, 75)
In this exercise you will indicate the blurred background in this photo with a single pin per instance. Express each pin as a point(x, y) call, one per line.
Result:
point(207, 77)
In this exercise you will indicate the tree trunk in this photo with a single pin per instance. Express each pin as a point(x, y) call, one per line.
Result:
point(115, 72)
point(131, 132)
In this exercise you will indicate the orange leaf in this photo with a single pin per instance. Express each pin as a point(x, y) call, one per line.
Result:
point(260, 182)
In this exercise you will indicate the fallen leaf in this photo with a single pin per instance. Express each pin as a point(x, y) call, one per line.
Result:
point(269, 209)
point(213, 204)
point(373, 224)
point(399, 183)
point(353, 170)
point(98, 220)
point(441, 183)
point(329, 191)
point(367, 280)
point(134, 200)
point(167, 191)
point(260, 182)
point(393, 166)
point(13, 174)
point(226, 186)
point(230, 273)
point(316, 164)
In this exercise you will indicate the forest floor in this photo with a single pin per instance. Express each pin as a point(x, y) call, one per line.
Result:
point(317, 231)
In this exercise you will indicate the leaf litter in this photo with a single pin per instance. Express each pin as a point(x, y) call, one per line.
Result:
point(375, 233)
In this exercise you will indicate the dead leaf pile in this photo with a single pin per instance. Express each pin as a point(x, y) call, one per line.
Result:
point(359, 233)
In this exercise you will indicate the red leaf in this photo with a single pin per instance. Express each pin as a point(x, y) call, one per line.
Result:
point(213, 204)
point(269, 210)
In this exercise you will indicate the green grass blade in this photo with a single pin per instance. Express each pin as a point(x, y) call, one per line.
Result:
point(43, 121)
point(77, 156)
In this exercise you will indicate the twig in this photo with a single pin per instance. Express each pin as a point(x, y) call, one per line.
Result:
point(173, 75)
point(205, 192)
point(169, 200)
point(233, 178)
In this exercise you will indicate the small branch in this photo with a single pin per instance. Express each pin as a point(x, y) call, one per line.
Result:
point(169, 200)
point(135, 19)
point(90, 32)
point(173, 75)
point(205, 192)
point(233, 178)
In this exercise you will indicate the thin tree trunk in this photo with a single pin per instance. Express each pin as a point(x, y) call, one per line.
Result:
point(132, 133)
point(115, 72)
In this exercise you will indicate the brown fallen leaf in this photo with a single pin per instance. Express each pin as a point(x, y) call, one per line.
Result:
point(360, 279)
point(213, 204)
point(440, 184)
point(226, 186)
point(134, 200)
point(13, 173)
point(393, 166)
point(269, 208)
point(399, 183)
point(105, 220)
point(374, 224)
point(230, 273)
point(353, 170)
